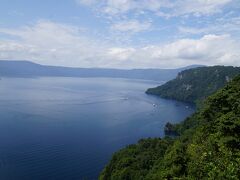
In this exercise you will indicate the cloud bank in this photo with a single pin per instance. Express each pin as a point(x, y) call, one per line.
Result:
point(47, 42)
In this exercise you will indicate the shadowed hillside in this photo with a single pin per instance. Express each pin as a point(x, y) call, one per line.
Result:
point(196, 84)
point(29, 69)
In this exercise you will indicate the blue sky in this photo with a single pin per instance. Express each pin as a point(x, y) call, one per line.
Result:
point(121, 33)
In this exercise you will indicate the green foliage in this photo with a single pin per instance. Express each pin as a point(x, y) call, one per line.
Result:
point(135, 161)
point(170, 130)
point(208, 146)
point(196, 84)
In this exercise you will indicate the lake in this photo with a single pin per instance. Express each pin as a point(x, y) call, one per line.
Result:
point(68, 128)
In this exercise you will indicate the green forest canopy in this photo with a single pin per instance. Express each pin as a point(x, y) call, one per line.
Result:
point(196, 84)
point(208, 146)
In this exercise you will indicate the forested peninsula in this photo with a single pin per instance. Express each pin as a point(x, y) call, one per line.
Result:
point(194, 85)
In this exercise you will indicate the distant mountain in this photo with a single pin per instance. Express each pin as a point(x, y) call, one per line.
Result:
point(30, 69)
point(195, 84)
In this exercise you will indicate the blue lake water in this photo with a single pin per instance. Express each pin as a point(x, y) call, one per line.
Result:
point(68, 128)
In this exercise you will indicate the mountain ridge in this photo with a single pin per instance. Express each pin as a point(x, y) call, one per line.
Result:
point(194, 85)
point(23, 68)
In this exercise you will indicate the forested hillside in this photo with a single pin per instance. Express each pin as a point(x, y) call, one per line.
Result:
point(196, 84)
point(208, 146)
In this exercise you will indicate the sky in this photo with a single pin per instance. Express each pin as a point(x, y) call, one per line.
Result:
point(122, 34)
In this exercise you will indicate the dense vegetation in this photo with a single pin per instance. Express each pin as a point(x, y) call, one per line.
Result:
point(196, 84)
point(135, 161)
point(208, 146)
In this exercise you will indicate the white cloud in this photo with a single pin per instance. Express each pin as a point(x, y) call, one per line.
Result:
point(58, 44)
point(118, 6)
point(123, 54)
point(207, 50)
point(133, 26)
point(133, 16)
point(225, 25)
point(50, 43)
point(166, 8)
point(198, 7)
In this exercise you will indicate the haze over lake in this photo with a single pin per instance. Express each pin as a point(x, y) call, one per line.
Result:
point(68, 128)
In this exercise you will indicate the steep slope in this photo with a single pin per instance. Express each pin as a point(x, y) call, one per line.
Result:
point(29, 69)
point(208, 147)
point(196, 84)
